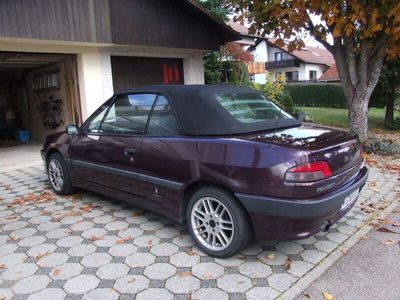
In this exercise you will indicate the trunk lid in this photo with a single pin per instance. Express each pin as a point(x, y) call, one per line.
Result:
point(339, 148)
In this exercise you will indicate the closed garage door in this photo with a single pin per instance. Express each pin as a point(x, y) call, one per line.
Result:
point(130, 72)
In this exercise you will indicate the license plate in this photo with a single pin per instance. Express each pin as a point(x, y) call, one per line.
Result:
point(349, 199)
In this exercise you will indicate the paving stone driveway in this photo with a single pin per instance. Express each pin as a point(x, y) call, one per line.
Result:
point(92, 247)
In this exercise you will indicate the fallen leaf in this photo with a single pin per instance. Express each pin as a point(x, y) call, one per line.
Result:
point(95, 238)
point(3, 266)
point(185, 274)
point(362, 238)
point(307, 295)
point(388, 242)
point(56, 272)
point(190, 253)
point(288, 263)
point(384, 229)
point(139, 213)
point(13, 238)
point(123, 240)
point(131, 280)
point(327, 296)
point(396, 224)
point(344, 250)
point(40, 255)
point(150, 242)
point(242, 257)
point(270, 256)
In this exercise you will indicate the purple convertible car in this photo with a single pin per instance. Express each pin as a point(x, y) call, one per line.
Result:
point(226, 160)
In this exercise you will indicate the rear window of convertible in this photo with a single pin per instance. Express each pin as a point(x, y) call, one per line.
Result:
point(248, 107)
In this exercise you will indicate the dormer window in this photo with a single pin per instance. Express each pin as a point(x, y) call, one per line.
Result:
point(278, 56)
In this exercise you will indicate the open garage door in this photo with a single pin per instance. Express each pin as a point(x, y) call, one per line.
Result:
point(38, 96)
point(130, 72)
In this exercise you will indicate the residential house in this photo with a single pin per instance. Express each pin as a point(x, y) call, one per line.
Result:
point(306, 65)
point(330, 76)
point(61, 59)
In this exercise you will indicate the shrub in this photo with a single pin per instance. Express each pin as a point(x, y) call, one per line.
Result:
point(382, 145)
point(317, 95)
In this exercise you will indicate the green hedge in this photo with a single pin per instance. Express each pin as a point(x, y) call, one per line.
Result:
point(317, 95)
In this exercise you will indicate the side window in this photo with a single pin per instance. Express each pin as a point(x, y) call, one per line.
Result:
point(98, 115)
point(162, 120)
point(128, 114)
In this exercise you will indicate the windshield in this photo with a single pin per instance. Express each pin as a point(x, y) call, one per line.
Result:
point(248, 107)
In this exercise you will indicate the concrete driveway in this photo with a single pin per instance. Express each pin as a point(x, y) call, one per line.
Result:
point(93, 247)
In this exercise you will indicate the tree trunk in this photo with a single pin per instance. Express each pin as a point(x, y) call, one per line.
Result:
point(358, 116)
point(389, 115)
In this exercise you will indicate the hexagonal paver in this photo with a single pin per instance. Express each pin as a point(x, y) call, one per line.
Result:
point(96, 260)
point(281, 281)
point(326, 246)
point(255, 270)
point(7, 249)
point(116, 225)
point(69, 241)
point(234, 283)
point(207, 271)
point(252, 250)
point(81, 284)
point(82, 250)
point(48, 294)
point(308, 241)
point(15, 225)
point(273, 258)
point(182, 284)
point(41, 249)
point(106, 241)
point(289, 248)
point(313, 256)
point(146, 241)
point(103, 219)
point(183, 241)
point(154, 294)
point(20, 271)
point(101, 294)
point(164, 249)
point(31, 241)
point(94, 233)
point(336, 237)
point(130, 233)
point(23, 233)
point(58, 233)
point(140, 260)
point(160, 271)
point(300, 268)
point(52, 260)
point(209, 294)
point(229, 262)
point(69, 220)
point(264, 293)
point(82, 226)
point(112, 271)
point(12, 259)
point(183, 259)
point(167, 233)
point(31, 284)
point(151, 225)
point(131, 284)
point(122, 250)
point(66, 271)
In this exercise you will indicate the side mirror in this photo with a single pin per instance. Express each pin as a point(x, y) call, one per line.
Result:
point(71, 130)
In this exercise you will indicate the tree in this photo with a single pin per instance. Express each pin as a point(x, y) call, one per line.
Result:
point(364, 32)
point(212, 60)
point(388, 88)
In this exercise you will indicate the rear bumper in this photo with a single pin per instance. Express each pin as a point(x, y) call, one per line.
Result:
point(283, 219)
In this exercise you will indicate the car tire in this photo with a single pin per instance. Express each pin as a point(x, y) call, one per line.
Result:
point(58, 174)
point(228, 213)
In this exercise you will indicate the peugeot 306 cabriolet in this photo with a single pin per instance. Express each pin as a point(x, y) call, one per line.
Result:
point(226, 160)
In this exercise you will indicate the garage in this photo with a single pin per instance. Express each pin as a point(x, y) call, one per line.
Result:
point(129, 72)
point(38, 96)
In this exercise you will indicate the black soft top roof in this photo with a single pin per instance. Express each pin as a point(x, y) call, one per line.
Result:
point(199, 113)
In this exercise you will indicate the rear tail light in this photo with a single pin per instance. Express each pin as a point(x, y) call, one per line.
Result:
point(308, 172)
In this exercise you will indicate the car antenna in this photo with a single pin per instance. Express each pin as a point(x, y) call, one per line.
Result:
point(277, 120)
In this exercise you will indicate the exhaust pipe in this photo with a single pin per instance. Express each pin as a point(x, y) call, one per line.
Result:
point(325, 226)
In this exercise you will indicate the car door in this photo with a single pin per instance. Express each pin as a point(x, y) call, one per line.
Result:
point(161, 165)
point(105, 155)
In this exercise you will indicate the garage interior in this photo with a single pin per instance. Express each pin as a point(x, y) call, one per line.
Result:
point(38, 96)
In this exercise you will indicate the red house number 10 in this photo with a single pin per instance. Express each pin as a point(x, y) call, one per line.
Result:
point(171, 74)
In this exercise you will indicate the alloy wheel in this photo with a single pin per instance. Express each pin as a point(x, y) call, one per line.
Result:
point(56, 175)
point(212, 223)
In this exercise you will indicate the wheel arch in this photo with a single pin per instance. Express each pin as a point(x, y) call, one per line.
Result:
point(197, 185)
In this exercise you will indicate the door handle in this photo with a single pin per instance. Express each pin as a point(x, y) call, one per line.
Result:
point(130, 151)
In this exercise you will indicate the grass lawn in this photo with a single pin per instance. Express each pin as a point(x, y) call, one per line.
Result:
point(338, 117)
